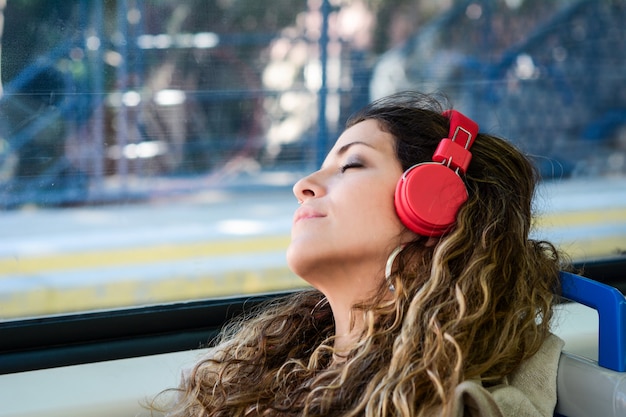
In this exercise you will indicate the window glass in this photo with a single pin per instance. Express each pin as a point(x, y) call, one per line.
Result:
point(148, 148)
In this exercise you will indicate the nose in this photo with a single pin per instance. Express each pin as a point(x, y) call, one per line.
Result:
point(308, 187)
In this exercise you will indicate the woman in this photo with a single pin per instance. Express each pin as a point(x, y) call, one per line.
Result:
point(408, 317)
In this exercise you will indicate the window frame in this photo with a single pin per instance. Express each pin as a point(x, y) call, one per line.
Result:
point(74, 339)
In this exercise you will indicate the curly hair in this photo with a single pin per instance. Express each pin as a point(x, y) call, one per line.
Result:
point(473, 305)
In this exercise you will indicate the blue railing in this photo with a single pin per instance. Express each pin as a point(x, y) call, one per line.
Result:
point(611, 307)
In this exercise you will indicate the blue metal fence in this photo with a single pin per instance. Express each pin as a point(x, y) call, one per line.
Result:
point(557, 91)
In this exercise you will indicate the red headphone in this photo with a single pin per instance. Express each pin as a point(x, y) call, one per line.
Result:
point(429, 194)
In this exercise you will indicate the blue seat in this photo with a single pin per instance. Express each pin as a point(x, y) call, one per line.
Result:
point(585, 387)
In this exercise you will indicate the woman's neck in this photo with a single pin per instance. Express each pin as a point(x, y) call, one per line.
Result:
point(345, 289)
point(348, 327)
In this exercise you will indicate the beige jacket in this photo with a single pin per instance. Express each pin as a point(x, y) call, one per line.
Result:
point(529, 392)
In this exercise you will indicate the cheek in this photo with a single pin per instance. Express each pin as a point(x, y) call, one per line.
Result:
point(373, 215)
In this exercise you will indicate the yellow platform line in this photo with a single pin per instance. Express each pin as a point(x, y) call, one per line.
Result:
point(139, 255)
point(593, 248)
point(133, 293)
point(578, 218)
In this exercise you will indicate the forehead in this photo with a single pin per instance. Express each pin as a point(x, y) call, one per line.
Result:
point(368, 133)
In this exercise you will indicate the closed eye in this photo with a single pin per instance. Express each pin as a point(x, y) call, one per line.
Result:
point(351, 165)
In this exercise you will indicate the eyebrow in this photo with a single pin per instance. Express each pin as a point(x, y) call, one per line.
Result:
point(347, 146)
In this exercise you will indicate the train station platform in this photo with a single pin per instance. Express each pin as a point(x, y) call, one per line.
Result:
point(221, 242)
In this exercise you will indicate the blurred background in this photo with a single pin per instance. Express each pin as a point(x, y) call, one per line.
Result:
point(148, 148)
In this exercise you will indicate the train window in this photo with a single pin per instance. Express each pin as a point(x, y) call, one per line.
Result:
point(148, 149)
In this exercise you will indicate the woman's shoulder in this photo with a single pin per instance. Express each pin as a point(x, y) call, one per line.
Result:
point(530, 391)
point(533, 384)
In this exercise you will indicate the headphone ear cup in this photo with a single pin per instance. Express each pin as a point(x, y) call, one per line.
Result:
point(428, 198)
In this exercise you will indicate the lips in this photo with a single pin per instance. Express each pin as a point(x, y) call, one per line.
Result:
point(304, 213)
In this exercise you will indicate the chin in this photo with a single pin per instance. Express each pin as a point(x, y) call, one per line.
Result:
point(301, 263)
point(296, 264)
point(292, 259)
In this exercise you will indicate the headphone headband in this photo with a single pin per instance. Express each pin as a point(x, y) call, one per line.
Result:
point(454, 150)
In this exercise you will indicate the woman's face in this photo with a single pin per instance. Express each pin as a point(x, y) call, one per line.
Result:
point(347, 223)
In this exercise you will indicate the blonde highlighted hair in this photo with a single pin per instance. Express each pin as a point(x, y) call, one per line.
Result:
point(474, 305)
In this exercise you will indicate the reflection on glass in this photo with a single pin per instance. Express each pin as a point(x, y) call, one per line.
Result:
point(147, 149)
